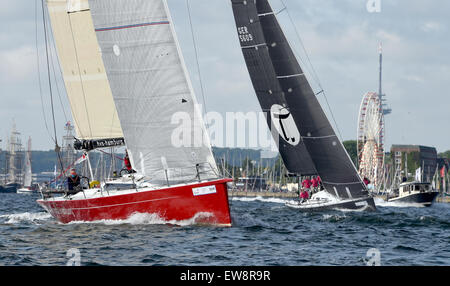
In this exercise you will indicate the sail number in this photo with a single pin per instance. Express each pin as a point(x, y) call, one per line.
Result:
point(244, 34)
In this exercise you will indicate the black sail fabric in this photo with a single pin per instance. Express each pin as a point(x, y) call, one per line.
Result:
point(331, 161)
point(268, 89)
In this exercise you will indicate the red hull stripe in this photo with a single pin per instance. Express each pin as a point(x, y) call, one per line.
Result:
point(132, 26)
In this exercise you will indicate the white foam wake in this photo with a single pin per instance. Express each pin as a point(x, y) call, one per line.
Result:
point(25, 217)
point(261, 199)
point(150, 219)
point(379, 202)
point(333, 217)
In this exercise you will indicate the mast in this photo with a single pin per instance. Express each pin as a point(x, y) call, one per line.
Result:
point(380, 91)
point(406, 166)
point(383, 106)
point(15, 159)
point(27, 178)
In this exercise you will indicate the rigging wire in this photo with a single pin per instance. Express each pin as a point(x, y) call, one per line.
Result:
point(206, 130)
point(39, 70)
point(57, 148)
point(52, 56)
point(313, 71)
point(196, 56)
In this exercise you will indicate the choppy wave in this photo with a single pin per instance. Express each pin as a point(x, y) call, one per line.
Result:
point(264, 232)
point(333, 217)
point(25, 217)
point(248, 220)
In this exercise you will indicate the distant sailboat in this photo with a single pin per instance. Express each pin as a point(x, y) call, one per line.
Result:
point(27, 174)
point(124, 54)
point(13, 163)
point(307, 141)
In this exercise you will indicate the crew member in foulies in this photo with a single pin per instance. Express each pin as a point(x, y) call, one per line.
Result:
point(127, 163)
point(73, 181)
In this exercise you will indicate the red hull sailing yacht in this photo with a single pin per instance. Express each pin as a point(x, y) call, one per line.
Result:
point(127, 84)
point(205, 203)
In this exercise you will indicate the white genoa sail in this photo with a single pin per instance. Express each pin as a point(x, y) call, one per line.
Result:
point(150, 86)
point(93, 109)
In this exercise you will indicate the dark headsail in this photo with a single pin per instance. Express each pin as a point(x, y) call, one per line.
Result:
point(269, 92)
point(265, 46)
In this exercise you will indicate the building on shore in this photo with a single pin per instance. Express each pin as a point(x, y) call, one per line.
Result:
point(409, 158)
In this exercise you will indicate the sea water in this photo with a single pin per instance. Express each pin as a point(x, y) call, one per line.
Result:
point(264, 232)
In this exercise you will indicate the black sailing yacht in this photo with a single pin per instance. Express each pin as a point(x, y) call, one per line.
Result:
point(306, 140)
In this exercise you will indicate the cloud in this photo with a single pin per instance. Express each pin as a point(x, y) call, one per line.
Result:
point(18, 64)
point(414, 78)
point(431, 27)
point(341, 38)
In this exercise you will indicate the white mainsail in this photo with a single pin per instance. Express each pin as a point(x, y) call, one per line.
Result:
point(88, 90)
point(150, 85)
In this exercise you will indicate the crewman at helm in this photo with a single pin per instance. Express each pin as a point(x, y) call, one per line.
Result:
point(73, 180)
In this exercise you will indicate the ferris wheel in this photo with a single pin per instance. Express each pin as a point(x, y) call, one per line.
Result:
point(371, 139)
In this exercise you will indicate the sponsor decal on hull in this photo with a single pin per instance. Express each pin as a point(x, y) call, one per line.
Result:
point(204, 190)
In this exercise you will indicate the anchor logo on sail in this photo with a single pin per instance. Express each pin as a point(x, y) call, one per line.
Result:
point(284, 123)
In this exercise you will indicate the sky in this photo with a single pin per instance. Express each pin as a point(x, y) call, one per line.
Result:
point(341, 39)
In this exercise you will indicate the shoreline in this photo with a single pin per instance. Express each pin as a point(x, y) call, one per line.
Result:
point(290, 195)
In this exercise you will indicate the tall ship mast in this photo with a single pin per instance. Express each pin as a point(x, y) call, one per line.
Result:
point(27, 174)
point(15, 157)
point(14, 162)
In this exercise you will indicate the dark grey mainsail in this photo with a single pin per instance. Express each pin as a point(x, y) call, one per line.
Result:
point(268, 52)
point(268, 90)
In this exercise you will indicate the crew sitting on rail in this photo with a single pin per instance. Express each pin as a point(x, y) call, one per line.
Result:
point(306, 184)
point(304, 196)
point(319, 182)
point(315, 185)
point(73, 181)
